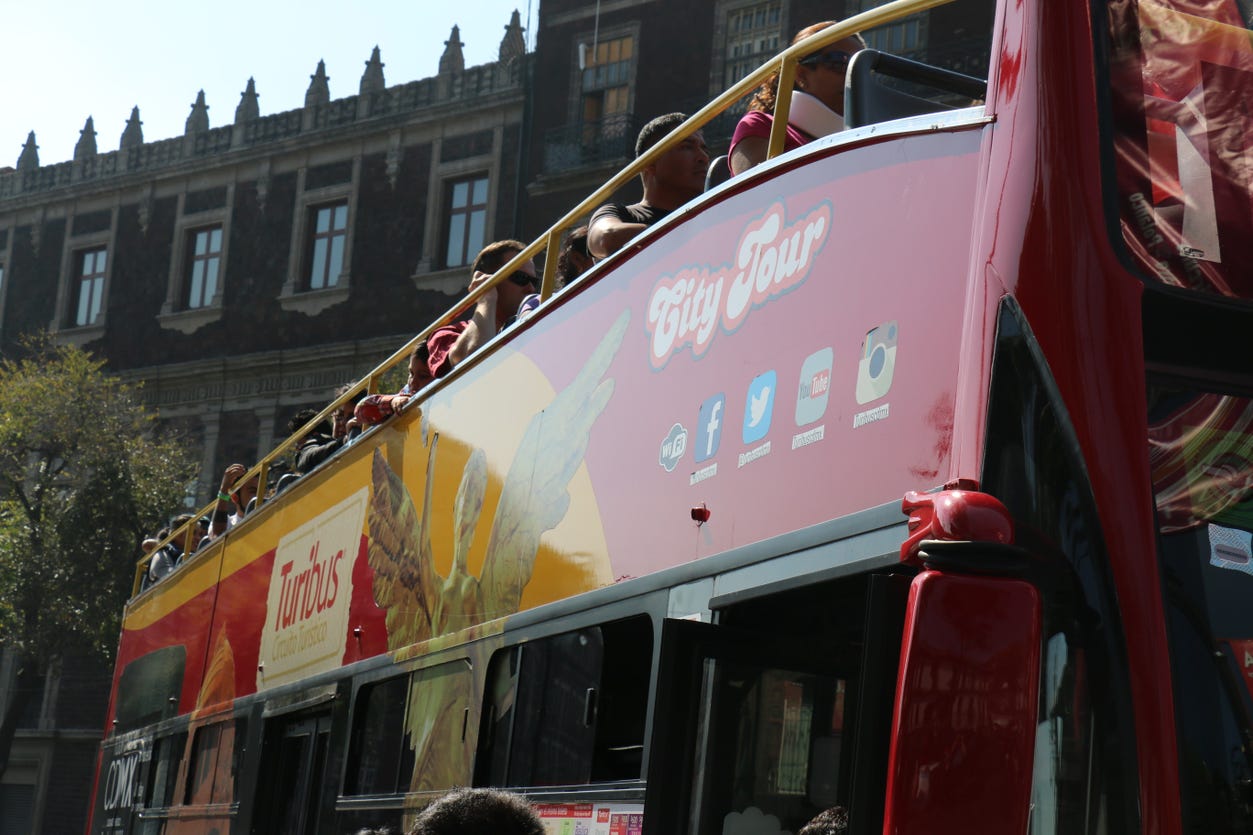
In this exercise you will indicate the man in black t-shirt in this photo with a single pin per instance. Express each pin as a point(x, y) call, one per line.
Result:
point(675, 178)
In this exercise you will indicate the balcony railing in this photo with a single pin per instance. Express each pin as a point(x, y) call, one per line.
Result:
point(590, 143)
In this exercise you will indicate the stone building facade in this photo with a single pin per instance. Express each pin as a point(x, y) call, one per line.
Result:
point(244, 271)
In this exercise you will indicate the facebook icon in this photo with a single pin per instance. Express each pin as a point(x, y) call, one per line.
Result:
point(709, 427)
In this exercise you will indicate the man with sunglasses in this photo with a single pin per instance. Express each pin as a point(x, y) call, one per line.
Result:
point(817, 106)
point(493, 312)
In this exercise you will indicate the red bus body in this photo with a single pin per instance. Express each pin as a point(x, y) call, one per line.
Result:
point(640, 393)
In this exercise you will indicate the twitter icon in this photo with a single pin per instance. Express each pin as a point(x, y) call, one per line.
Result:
point(758, 407)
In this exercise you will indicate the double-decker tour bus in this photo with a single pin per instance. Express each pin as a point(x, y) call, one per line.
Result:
point(907, 472)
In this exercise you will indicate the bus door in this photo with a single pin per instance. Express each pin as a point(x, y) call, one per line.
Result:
point(760, 718)
point(293, 766)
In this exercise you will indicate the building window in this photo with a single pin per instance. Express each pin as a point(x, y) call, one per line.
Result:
point(330, 231)
point(605, 90)
point(753, 35)
point(204, 267)
point(606, 81)
point(903, 37)
point(467, 219)
point(90, 286)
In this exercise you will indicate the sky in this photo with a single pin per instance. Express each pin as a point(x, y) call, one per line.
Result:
point(64, 61)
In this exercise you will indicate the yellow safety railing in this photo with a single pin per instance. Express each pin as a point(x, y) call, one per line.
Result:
point(550, 241)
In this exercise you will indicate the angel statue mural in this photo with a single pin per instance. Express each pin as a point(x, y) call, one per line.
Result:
point(420, 604)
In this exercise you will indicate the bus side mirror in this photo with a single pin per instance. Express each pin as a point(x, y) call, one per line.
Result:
point(965, 714)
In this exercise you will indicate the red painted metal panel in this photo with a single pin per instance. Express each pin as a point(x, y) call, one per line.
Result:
point(966, 703)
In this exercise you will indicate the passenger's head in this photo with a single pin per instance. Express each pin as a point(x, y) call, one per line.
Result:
point(419, 369)
point(574, 259)
point(678, 175)
point(478, 812)
point(341, 416)
point(820, 74)
point(304, 416)
point(513, 290)
point(833, 821)
point(188, 539)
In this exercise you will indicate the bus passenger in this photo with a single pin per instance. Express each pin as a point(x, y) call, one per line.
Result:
point(167, 559)
point(817, 107)
point(675, 178)
point(478, 812)
point(314, 448)
point(493, 312)
point(574, 259)
point(232, 506)
point(344, 423)
point(833, 821)
point(373, 409)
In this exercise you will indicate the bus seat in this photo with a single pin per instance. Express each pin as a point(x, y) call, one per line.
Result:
point(719, 172)
point(285, 481)
point(868, 99)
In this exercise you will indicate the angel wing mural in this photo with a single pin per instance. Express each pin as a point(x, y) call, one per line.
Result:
point(419, 602)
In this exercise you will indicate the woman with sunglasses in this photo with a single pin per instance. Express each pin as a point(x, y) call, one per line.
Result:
point(817, 107)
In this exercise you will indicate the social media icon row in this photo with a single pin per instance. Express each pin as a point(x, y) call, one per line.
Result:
point(875, 369)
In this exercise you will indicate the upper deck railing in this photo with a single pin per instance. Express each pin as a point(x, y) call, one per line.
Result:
point(549, 242)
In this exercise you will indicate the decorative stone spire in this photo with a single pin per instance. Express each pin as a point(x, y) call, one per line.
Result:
point(133, 136)
point(319, 92)
point(28, 160)
point(86, 147)
point(512, 45)
point(198, 120)
point(248, 109)
point(452, 61)
point(372, 79)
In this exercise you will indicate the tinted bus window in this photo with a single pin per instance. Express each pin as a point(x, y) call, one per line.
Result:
point(1085, 755)
point(1181, 73)
point(214, 763)
point(163, 773)
point(567, 710)
point(436, 723)
point(1201, 453)
point(381, 757)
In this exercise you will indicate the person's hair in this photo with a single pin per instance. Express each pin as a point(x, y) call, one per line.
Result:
point(347, 387)
point(177, 523)
point(576, 241)
point(763, 99)
point(495, 255)
point(833, 821)
point(655, 131)
point(304, 416)
point(478, 812)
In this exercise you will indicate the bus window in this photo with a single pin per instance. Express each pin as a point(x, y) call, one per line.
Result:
point(1201, 454)
point(214, 763)
point(1084, 779)
point(1180, 73)
point(380, 758)
point(779, 711)
point(163, 773)
point(584, 695)
point(293, 762)
point(437, 726)
point(149, 687)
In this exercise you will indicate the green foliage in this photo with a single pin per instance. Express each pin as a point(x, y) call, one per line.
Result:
point(84, 476)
